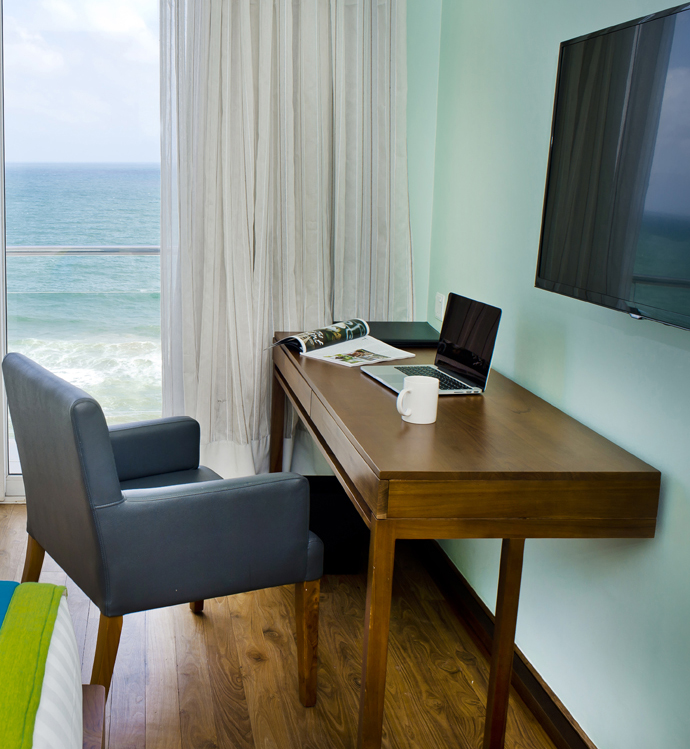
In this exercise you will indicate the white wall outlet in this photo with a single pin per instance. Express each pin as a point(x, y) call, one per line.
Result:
point(440, 306)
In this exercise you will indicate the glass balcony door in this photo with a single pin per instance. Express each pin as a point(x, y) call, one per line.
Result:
point(90, 314)
point(81, 182)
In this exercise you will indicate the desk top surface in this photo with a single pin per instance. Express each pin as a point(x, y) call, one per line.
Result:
point(508, 432)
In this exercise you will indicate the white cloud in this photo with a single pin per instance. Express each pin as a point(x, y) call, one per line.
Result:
point(62, 14)
point(121, 17)
point(29, 52)
point(82, 72)
point(133, 22)
point(115, 19)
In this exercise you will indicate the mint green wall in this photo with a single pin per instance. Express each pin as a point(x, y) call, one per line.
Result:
point(423, 46)
point(607, 623)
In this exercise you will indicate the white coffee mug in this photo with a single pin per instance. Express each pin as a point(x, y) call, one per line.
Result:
point(418, 400)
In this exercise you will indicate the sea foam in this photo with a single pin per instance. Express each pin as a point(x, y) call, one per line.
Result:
point(123, 376)
point(95, 321)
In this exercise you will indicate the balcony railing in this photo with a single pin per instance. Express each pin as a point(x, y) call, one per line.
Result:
point(27, 251)
point(121, 371)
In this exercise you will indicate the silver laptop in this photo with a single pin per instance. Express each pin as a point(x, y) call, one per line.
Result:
point(463, 356)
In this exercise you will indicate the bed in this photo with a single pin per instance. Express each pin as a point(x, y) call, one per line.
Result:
point(43, 704)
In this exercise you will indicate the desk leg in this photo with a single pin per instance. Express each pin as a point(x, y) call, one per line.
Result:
point(376, 624)
point(277, 427)
point(504, 642)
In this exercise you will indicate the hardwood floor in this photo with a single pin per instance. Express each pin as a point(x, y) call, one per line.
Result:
point(228, 678)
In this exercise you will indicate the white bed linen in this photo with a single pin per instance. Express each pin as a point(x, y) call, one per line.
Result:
point(59, 721)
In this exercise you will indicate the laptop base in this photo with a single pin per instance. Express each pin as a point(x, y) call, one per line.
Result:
point(394, 378)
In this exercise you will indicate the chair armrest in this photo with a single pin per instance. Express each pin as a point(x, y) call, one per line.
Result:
point(147, 448)
point(190, 542)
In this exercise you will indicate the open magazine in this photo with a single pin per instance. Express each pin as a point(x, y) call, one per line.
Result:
point(347, 343)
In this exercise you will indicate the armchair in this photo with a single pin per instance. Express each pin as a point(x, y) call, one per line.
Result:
point(137, 523)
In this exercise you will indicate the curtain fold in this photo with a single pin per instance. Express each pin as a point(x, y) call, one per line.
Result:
point(251, 207)
point(372, 253)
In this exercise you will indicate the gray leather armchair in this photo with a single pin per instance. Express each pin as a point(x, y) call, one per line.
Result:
point(137, 523)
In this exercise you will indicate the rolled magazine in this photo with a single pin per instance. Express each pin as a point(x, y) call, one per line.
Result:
point(347, 343)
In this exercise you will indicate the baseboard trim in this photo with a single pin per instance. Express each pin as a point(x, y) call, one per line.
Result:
point(557, 722)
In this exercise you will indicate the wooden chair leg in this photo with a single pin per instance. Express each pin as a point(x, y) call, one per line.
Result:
point(197, 606)
point(307, 616)
point(109, 630)
point(33, 562)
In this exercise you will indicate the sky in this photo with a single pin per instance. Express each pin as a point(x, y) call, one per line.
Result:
point(81, 80)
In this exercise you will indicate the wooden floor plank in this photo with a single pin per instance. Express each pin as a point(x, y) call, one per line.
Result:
point(230, 709)
point(197, 724)
point(13, 550)
point(268, 659)
point(8, 521)
point(523, 729)
point(281, 637)
point(426, 690)
point(453, 641)
point(162, 699)
point(127, 699)
point(5, 514)
point(341, 629)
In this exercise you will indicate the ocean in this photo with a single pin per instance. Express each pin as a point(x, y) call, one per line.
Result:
point(93, 320)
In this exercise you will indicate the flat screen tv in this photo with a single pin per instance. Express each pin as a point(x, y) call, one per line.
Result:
point(616, 220)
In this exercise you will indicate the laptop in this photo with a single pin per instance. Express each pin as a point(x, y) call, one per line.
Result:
point(463, 356)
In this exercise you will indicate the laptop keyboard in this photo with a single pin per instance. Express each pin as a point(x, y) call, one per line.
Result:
point(444, 381)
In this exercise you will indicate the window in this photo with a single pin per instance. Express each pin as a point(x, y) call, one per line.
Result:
point(82, 196)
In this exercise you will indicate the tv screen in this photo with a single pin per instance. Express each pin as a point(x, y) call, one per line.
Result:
point(616, 220)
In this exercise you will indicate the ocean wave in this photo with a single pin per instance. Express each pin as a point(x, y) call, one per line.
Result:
point(124, 376)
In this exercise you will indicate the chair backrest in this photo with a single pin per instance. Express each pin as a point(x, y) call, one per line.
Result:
point(68, 467)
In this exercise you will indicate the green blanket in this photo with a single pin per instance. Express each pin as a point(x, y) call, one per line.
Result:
point(24, 639)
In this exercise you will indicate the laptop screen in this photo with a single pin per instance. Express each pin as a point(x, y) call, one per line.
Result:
point(467, 339)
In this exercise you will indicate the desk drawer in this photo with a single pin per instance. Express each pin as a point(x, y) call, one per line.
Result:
point(373, 491)
point(606, 498)
point(293, 378)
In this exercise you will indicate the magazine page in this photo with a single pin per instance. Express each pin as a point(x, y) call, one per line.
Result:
point(333, 335)
point(354, 353)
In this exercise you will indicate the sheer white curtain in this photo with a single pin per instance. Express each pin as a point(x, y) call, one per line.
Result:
point(372, 255)
point(252, 198)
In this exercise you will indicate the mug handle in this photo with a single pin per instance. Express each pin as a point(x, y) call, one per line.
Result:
point(399, 403)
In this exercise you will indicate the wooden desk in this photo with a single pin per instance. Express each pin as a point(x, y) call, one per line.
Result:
point(502, 465)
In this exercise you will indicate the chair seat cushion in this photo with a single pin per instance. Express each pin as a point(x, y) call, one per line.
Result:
point(191, 476)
